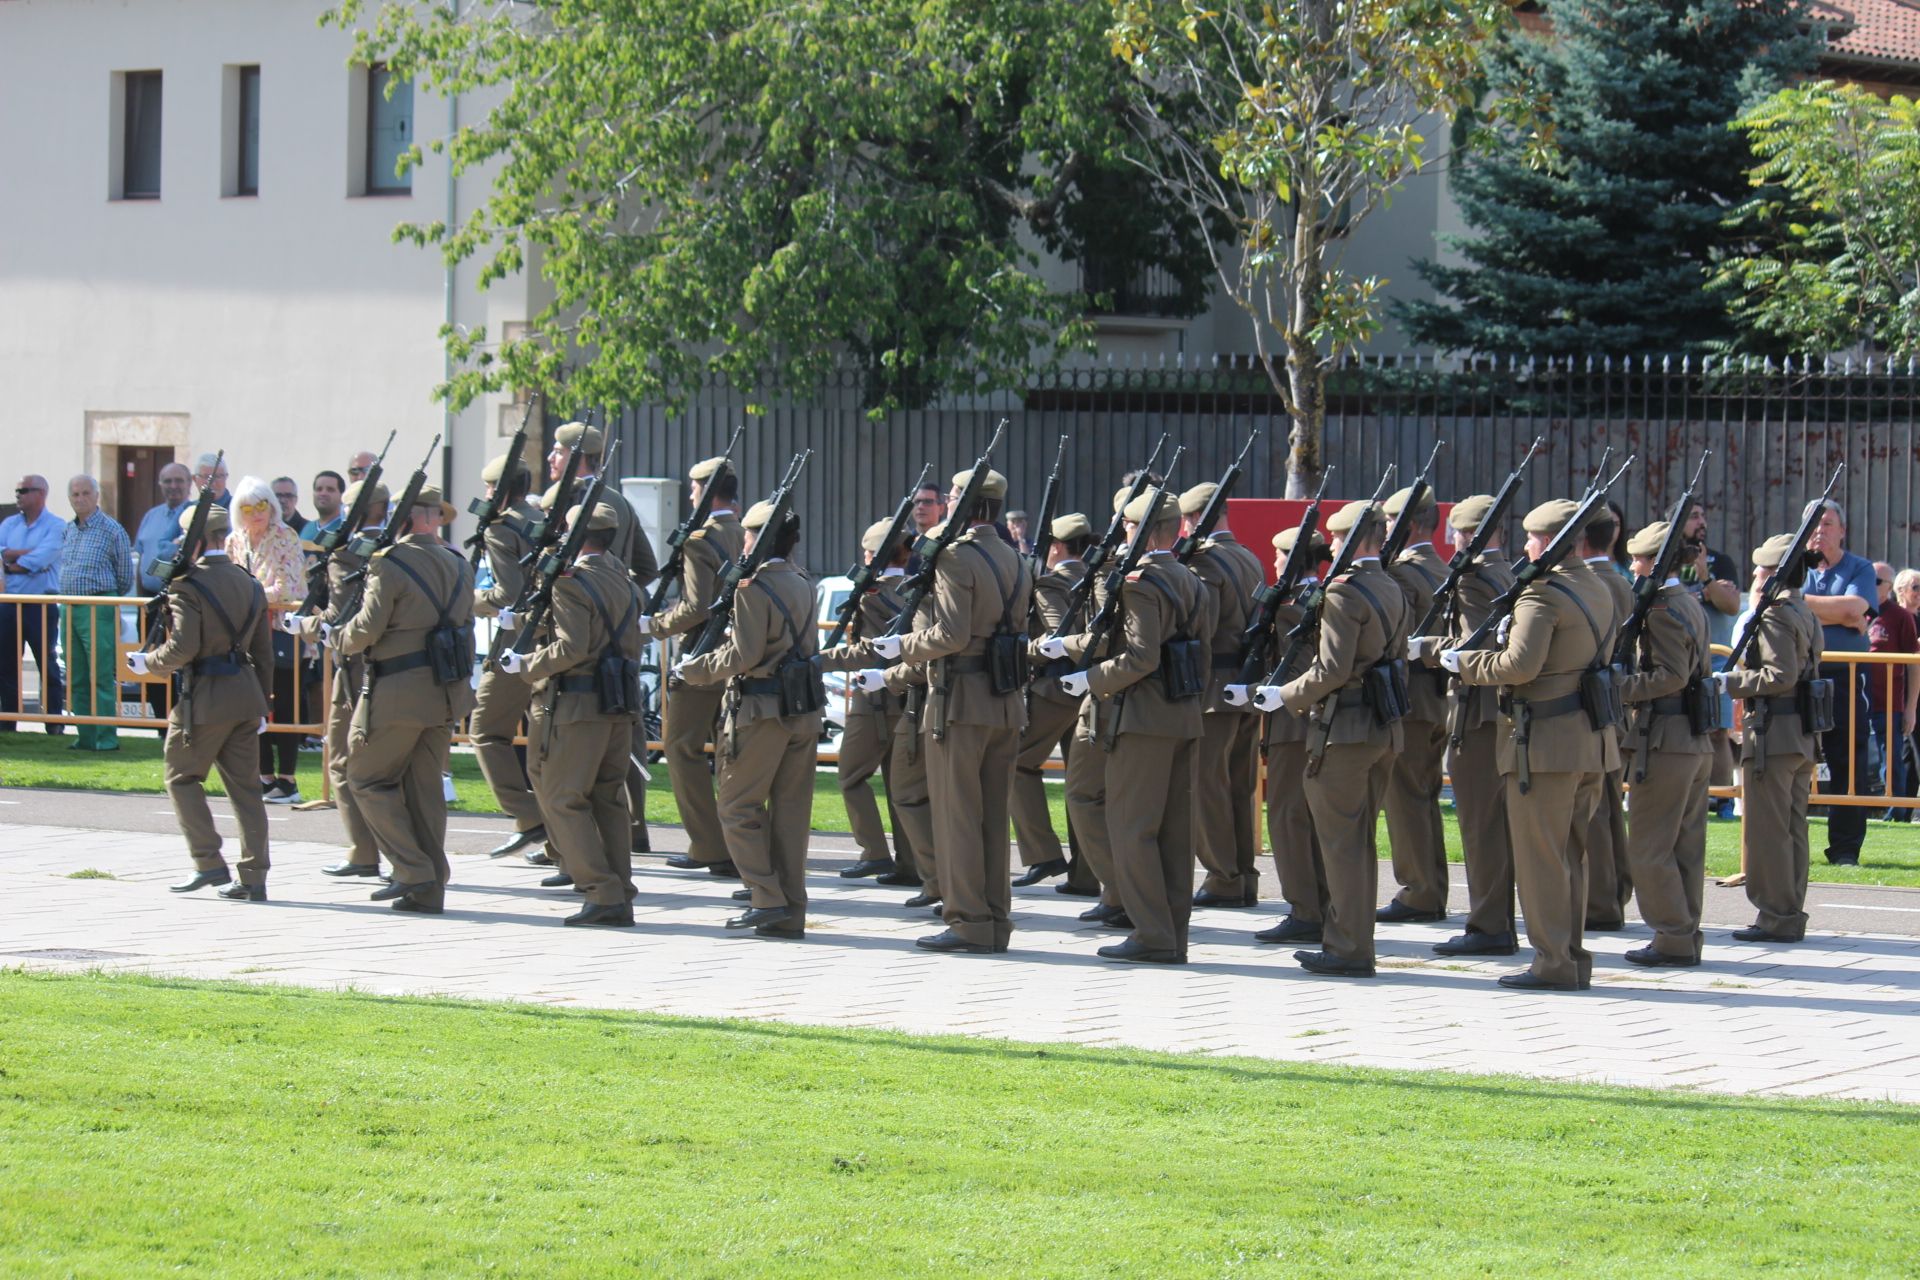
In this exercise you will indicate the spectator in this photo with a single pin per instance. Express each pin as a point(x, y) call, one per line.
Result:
point(96, 559)
point(262, 544)
point(329, 493)
point(30, 551)
point(929, 507)
point(206, 466)
point(1714, 577)
point(159, 530)
point(287, 494)
point(1018, 523)
point(357, 468)
point(1893, 630)
point(1841, 592)
point(1906, 589)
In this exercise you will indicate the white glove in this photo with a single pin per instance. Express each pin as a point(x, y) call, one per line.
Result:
point(1074, 683)
point(290, 623)
point(263, 727)
point(512, 661)
point(1420, 646)
point(1718, 683)
point(326, 633)
point(1237, 695)
point(1501, 632)
point(871, 680)
point(137, 663)
point(645, 624)
point(681, 668)
point(1267, 698)
point(506, 621)
point(1450, 659)
point(1052, 648)
point(887, 647)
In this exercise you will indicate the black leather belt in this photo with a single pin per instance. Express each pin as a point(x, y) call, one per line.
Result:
point(1674, 706)
point(1349, 698)
point(1544, 708)
point(759, 685)
point(967, 666)
point(1226, 662)
point(222, 665)
point(378, 667)
point(577, 684)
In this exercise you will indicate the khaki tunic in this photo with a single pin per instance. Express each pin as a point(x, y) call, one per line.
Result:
point(1051, 713)
point(1414, 829)
point(1604, 840)
point(1479, 794)
point(1226, 834)
point(866, 743)
point(502, 700)
point(349, 674)
point(1296, 845)
point(693, 710)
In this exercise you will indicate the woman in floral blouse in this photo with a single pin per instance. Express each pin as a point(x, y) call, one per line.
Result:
point(263, 545)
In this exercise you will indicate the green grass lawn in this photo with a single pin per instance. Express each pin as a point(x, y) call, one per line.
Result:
point(166, 1127)
point(30, 759)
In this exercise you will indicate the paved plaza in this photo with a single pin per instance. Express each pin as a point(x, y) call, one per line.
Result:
point(1838, 1016)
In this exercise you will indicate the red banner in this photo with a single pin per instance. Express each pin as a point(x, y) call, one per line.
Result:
point(1255, 522)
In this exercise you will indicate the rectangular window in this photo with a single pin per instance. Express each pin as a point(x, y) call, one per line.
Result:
point(140, 160)
point(247, 141)
point(389, 129)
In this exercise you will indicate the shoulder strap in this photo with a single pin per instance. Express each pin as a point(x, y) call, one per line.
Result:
point(1191, 612)
point(786, 618)
point(444, 609)
point(1393, 632)
point(1599, 641)
point(226, 620)
point(1006, 595)
point(606, 616)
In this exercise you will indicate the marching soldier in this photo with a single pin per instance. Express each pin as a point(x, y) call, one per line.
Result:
point(577, 745)
point(1350, 751)
point(1778, 753)
point(1414, 830)
point(502, 700)
point(1671, 764)
point(1603, 842)
point(866, 743)
point(220, 641)
point(1551, 757)
point(766, 752)
point(1296, 845)
point(692, 710)
point(1225, 833)
point(418, 603)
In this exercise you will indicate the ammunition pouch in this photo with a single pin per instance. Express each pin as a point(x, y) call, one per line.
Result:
point(1703, 707)
point(1183, 669)
point(1600, 696)
point(1383, 690)
point(1008, 670)
point(449, 650)
point(796, 677)
point(1814, 699)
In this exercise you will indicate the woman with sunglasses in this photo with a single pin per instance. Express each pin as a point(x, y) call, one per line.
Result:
point(263, 545)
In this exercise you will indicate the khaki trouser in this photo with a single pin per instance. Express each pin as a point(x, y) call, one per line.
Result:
point(1774, 834)
point(580, 779)
point(1087, 816)
point(1150, 820)
point(502, 703)
point(395, 770)
point(233, 749)
point(970, 776)
point(1048, 723)
point(1345, 797)
point(1414, 829)
point(1225, 835)
point(766, 809)
point(1296, 845)
point(866, 748)
point(361, 849)
point(1603, 843)
point(1548, 871)
point(1667, 848)
point(912, 801)
point(1480, 800)
point(689, 726)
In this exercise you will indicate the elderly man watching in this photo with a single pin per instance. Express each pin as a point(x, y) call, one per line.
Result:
point(212, 464)
point(1841, 591)
point(158, 532)
point(30, 551)
point(96, 559)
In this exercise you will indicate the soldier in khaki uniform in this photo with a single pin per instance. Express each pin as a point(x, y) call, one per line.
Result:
point(403, 726)
point(1350, 752)
point(692, 710)
point(349, 674)
point(1603, 842)
point(1414, 830)
point(866, 743)
point(1777, 755)
point(1551, 755)
point(220, 641)
point(502, 700)
point(1670, 764)
point(1226, 836)
point(577, 751)
point(766, 756)
point(1296, 845)
point(981, 587)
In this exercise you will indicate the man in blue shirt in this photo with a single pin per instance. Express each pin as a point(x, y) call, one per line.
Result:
point(159, 531)
point(96, 559)
point(1841, 591)
point(30, 552)
point(329, 491)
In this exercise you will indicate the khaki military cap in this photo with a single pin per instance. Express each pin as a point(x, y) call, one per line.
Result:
point(495, 468)
point(995, 485)
point(1072, 525)
point(1602, 514)
point(546, 499)
point(1284, 540)
point(1647, 541)
point(936, 531)
point(1397, 501)
point(603, 517)
point(1770, 553)
point(1137, 510)
point(758, 515)
point(219, 524)
point(1194, 500)
point(707, 470)
point(429, 496)
point(875, 535)
point(1120, 497)
point(1468, 513)
point(578, 435)
point(1550, 517)
point(1344, 520)
point(380, 496)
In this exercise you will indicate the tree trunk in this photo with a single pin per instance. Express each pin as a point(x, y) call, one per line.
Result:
point(1306, 376)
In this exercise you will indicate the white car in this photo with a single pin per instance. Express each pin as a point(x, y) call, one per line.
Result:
point(830, 594)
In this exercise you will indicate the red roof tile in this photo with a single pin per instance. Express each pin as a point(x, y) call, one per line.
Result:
point(1882, 30)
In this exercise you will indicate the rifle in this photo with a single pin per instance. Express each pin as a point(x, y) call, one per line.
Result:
point(1109, 614)
point(1563, 543)
point(1043, 523)
point(1307, 630)
point(1097, 554)
point(542, 534)
point(1216, 505)
point(317, 587)
point(556, 563)
point(1647, 590)
point(1463, 560)
point(931, 549)
point(720, 612)
point(1402, 531)
point(180, 563)
point(1257, 639)
point(399, 517)
point(488, 510)
point(677, 540)
point(865, 575)
point(1791, 573)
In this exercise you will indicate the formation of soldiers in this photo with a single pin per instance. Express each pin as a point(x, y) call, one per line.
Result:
point(1154, 658)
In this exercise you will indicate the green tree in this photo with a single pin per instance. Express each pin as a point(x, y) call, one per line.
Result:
point(1835, 258)
point(1607, 250)
point(1292, 124)
point(744, 186)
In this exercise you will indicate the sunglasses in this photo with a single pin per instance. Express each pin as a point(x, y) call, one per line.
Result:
point(255, 506)
point(26, 489)
point(356, 472)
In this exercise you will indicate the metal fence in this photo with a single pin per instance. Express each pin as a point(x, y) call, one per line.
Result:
point(1776, 430)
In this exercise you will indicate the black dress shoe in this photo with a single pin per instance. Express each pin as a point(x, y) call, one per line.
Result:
point(921, 900)
point(866, 867)
point(1603, 926)
point(1073, 890)
point(201, 879)
point(1040, 871)
point(742, 895)
point(900, 876)
point(1139, 954)
point(1651, 959)
point(951, 942)
point(754, 917)
point(1101, 912)
point(1398, 912)
point(389, 892)
point(419, 906)
point(558, 880)
point(244, 892)
point(616, 917)
point(345, 869)
point(1754, 933)
point(1526, 981)
point(519, 841)
point(538, 857)
point(1331, 966)
point(1208, 898)
point(1292, 929)
point(724, 870)
point(641, 842)
point(1475, 943)
point(1118, 920)
point(681, 862)
point(791, 932)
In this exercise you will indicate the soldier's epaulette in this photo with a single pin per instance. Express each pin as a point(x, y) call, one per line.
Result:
point(701, 532)
point(381, 552)
point(1136, 575)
